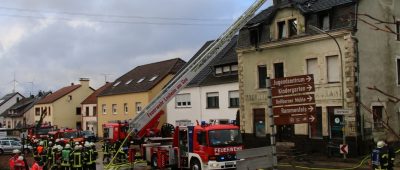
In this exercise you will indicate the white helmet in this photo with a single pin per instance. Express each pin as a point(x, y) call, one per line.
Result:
point(67, 146)
point(57, 140)
point(50, 142)
point(20, 158)
point(380, 144)
point(76, 143)
point(76, 147)
point(59, 147)
point(92, 144)
point(55, 147)
point(62, 139)
point(87, 144)
point(15, 151)
point(41, 143)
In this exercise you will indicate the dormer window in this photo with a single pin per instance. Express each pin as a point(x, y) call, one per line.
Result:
point(128, 82)
point(218, 70)
point(140, 80)
point(117, 83)
point(281, 30)
point(324, 22)
point(153, 78)
point(226, 69)
point(292, 27)
point(234, 67)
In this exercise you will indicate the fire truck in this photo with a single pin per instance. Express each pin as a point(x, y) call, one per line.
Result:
point(192, 146)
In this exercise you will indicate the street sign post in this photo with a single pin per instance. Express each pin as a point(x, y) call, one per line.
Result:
point(289, 103)
point(343, 111)
point(344, 149)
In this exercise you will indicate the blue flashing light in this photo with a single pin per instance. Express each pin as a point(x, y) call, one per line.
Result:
point(222, 158)
point(203, 123)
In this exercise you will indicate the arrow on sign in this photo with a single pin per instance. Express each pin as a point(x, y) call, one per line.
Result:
point(308, 78)
point(309, 87)
point(344, 149)
point(310, 108)
point(311, 118)
point(310, 98)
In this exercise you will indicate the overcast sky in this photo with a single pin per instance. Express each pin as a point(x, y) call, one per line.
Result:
point(47, 44)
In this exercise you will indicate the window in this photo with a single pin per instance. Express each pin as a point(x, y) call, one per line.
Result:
point(233, 99)
point(138, 107)
point(87, 111)
point(114, 108)
point(126, 108)
point(37, 111)
point(226, 69)
point(69, 97)
point(316, 127)
point(377, 115)
point(117, 83)
point(254, 36)
point(94, 111)
point(218, 70)
point(201, 138)
point(281, 30)
point(104, 108)
point(324, 22)
point(78, 111)
point(128, 82)
point(292, 27)
point(262, 75)
point(234, 67)
point(140, 80)
point(49, 111)
point(333, 69)
point(153, 78)
point(312, 68)
point(78, 125)
point(182, 100)
point(398, 71)
point(212, 100)
point(259, 122)
point(278, 70)
point(398, 30)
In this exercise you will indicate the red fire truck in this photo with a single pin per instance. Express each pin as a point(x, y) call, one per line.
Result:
point(192, 146)
point(196, 147)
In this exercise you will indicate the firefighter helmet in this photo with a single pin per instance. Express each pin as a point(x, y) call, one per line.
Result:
point(380, 144)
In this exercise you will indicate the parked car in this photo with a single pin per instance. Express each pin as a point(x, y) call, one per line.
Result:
point(89, 136)
point(7, 146)
point(11, 138)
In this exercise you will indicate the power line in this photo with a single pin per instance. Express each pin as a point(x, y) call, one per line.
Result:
point(116, 22)
point(113, 16)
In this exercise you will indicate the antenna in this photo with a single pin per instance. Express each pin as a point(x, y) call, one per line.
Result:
point(105, 76)
point(14, 83)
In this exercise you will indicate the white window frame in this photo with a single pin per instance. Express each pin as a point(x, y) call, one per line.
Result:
point(153, 78)
point(116, 84)
point(383, 113)
point(126, 108)
point(104, 108)
point(317, 76)
point(226, 69)
point(230, 96)
point(218, 70)
point(128, 82)
point(138, 106)
point(328, 67)
point(140, 80)
point(234, 67)
point(114, 109)
point(184, 99)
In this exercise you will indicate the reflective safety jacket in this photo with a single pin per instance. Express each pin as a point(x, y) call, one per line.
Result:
point(77, 163)
point(36, 166)
point(19, 165)
point(11, 162)
point(65, 154)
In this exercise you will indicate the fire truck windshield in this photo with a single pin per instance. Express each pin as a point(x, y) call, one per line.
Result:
point(43, 131)
point(70, 134)
point(226, 137)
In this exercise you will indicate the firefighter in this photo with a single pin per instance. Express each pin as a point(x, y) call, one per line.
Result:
point(38, 164)
point(89, 157)
point(56, 157)
point(43, 154)
point(95, 155)
point(66, 157)
point(77, 163)
point(85, 155)
point(107, 151)
point(380, 157)
point(40, 148)
point(14, 158)
point(20, 163)
point(71, 142)
point(49, 155)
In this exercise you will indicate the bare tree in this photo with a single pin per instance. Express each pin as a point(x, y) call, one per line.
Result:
point(378, 24)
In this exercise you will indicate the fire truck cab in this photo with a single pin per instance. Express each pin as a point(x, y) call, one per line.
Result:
point(196, 147)
point(115, 131)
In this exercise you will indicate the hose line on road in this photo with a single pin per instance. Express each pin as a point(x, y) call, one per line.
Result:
point(310, 168)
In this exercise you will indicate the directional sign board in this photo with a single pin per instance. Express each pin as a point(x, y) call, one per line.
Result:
point(302, 109)
point(286, 81)
point(294, 119)
point(291, 100)
point(295, 89)
point(344, 149)
point(343, 111)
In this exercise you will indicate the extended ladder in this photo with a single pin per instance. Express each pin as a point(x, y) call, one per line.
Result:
point(191, 70)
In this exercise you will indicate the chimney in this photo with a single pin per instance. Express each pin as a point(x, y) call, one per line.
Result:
point(72, 84)
point(84, 82)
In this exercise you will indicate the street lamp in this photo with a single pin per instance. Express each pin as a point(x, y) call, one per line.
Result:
point(341, 74)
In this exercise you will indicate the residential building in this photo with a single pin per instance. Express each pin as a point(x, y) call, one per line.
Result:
point(291, 38)
point(7, 101)
point(63, 107)
point(213, 95)
point(89, 109)
point(130, 93)
point(21, 114)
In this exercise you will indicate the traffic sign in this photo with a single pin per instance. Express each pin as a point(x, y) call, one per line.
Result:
point(284, 81)
point(343, 111)
point(290, 100)
point(295, 89)
point(294, 119)
point(344, 149)
point(302, 109)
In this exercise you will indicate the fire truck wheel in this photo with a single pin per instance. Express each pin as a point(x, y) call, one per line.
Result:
point(154, 161)
point(195, 164)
